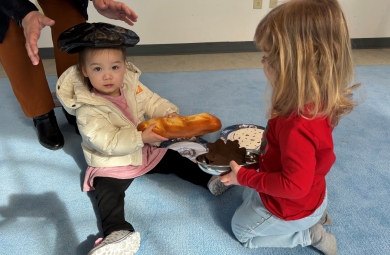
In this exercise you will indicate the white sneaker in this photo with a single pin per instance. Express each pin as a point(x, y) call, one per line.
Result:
point(216, 187)
point(122, 242)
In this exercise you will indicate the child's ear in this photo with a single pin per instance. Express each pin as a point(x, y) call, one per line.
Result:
point(83, 71)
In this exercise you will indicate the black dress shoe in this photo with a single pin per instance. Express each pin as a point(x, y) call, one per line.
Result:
point(71, 120)
point(49, 134)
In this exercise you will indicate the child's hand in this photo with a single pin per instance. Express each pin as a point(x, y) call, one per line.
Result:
point(148, 136)
point(231, 177)
point(173, 114)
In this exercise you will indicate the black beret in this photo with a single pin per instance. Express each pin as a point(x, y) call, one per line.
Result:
point(96, 35)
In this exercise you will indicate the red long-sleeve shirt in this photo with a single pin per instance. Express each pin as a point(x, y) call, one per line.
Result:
point(295, 155)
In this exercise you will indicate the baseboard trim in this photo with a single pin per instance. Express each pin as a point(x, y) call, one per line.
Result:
point(218, 47)
point(370, 43)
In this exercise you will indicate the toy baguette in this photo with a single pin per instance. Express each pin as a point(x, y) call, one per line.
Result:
point(183, 126)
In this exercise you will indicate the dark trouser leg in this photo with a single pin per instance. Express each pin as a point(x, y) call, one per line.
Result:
point(66, 15)
point(173, 162)
point(110, 196)
point(55, 10)
point(30, 87)
point(28, 81)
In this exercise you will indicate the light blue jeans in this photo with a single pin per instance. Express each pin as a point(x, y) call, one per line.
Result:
point(254, 226)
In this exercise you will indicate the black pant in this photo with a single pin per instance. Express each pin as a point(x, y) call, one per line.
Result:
point(110, 192)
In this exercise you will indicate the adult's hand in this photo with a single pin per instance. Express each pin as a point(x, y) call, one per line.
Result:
point(115, 10)
point(32, 25)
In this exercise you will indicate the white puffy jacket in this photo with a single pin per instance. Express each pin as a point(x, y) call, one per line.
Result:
point(108, 137)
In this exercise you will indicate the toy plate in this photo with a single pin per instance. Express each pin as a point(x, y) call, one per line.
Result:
point(248, 135)
point(187, 147)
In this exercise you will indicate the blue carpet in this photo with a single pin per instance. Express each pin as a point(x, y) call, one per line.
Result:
point(43, 210)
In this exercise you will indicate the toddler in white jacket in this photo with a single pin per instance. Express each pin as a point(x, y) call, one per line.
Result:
point(109, 101)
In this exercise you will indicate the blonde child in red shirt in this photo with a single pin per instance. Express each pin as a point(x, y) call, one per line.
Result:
point(307, 60)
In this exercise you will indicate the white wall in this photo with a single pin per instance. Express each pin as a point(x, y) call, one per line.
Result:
point(193, 21)
point(367, 18)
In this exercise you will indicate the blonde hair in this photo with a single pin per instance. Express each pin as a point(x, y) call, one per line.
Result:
point(309, 53)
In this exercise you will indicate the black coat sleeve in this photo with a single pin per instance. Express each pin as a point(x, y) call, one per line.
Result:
point(17, 9)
